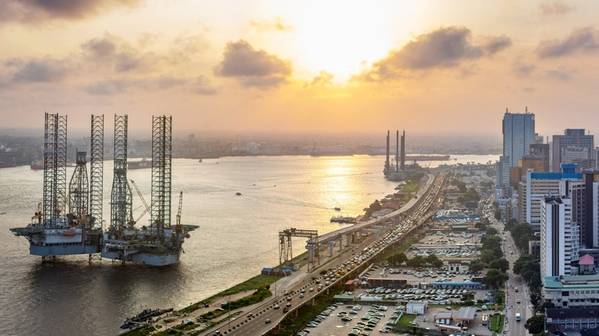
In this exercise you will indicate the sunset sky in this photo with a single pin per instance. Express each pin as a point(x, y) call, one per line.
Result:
point(302, 66)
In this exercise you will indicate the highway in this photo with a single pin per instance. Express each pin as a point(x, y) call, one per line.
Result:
point(268, 315)
point(517, 296)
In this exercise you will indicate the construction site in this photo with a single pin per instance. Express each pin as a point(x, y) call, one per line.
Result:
point(69, 220)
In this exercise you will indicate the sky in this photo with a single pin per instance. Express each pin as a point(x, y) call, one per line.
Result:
point(332, 66)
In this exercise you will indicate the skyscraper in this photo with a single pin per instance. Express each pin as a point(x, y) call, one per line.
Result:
point(518, 134)
point(559, 237)
point(574, 146)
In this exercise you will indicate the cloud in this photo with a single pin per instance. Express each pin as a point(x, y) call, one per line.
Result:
point(112, 51)
point(37, 70)
point(561, 74)
point(198, 85)
point(496, 44)
point(323, 78)
point(554, 8)
point(581, 40)
point(275, 24)
point(443, 48)
point(31, 11)
point(523, 69)
point(252, 67)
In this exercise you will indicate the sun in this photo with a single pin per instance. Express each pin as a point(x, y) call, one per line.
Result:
point(342, 37)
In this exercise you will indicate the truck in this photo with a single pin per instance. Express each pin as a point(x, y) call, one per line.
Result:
point(518, 317)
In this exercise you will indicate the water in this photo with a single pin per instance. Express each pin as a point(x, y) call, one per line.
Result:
point(237, 237)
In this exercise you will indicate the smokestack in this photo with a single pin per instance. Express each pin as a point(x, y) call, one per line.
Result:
point(403, 150)
point(387, 160)
point(397, 151)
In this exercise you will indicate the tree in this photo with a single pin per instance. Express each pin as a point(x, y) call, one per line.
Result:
point(535, 324)
point(495, 278)
point(434, 261)
point(476, 265)
point(500, 264)
point(397, 259)
point(491, 231)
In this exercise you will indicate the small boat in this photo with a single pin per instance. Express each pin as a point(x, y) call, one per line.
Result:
point(144, 163)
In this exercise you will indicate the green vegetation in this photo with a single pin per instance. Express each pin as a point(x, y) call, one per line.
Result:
point(496, 323)
point(535, 324)
point(491, 256)
point(529, 268)
point(405, 320)
point(259, 295)
point(372, 208)
point(178, 330)
point(251, 284)
point(142, 331)
point(418, 261)
point(521, 233)
point(254, 283)
point(470, 198)
point(495, 278)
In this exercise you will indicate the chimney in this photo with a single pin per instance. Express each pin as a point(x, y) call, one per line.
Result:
point(387, 152)
point(397, 151)
point(403, 150)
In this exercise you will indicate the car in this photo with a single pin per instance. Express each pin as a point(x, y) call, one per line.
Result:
point(276, 306)
point(346, 318)
point(267, 321)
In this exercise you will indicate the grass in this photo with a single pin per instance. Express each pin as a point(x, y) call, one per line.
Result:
point(496, 323)
point(143, 331)
point(250, 284)
point(405, 320)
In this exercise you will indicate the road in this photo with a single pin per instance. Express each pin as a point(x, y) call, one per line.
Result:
point(260, 320)
point(517, 295)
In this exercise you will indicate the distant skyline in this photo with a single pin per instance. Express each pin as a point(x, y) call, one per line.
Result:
point(430, 67)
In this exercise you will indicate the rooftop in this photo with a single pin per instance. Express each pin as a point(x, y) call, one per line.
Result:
point(465, 313)
point(572, 281)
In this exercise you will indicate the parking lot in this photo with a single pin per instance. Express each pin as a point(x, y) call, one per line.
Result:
point(340, 319)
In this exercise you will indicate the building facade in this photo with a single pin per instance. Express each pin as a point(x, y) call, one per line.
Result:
point(559, 237)
point(571, 291)
point(539, 185)
point(518, 134)
point(574, 146)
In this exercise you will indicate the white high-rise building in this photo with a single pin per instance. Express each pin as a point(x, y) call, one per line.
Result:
point(539, 185)
point(559, 237)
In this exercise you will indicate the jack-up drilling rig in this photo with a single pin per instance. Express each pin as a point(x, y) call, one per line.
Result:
point(53, 231)
point(160, 243)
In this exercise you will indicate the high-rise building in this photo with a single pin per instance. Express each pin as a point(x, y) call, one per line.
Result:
point(518, 134)
point(539, 185)
point(574, 146)
point(559, 237)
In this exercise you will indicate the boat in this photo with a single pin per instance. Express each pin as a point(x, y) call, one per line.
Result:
point(144, 163)
point(36, 165)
